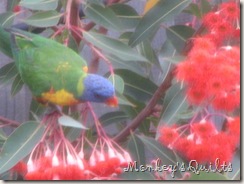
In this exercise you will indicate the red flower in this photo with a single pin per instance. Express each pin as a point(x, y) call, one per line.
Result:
point(203, 129)
point(196, 95)
point(182, 144)
point(199, 152)
point(223, 29)
point(227, 101)
point(204, 44)
point(211, 19)
point(233, 126)
point(168, 135)
point(221, 147)
point(230, 10)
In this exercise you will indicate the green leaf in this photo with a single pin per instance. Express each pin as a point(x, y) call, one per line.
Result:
point(3, 136)
point(175, 103)
point(122, 100)
point(8, 72)
point(113, 46)
point(39, 4)
point(19, 144)
point(71, 41)
point(178, 35)
point(36, 109)
point(103, 16)
point(205, 7)
point(146, 50)
point(44, 19)
point(17, 85)
point(118, 83)
point(5, 46)
point(163, 11)
point(70, 122)
point(120, 64)
point(113, 117)
point(126, 14)
point(166, 68)
point(133, 111)
point(98, 2)
point(136, 149)
point(171, 93)
point(166, 156)
point(7, 19)
point(137, 86)
point(207, 176)
point(193, 9)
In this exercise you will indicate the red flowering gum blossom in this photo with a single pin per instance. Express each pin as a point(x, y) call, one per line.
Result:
point(203, 142)
point(204, 129)
point(168, 135)
point(230, 10)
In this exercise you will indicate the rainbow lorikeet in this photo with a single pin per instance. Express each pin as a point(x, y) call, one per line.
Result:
point(55, 73)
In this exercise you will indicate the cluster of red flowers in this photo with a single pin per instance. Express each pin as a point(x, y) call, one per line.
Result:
point(212, 68)
point(70, 165)
point(203, 142)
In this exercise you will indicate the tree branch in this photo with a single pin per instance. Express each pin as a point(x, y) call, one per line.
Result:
point(147, 110)
point(72, 17)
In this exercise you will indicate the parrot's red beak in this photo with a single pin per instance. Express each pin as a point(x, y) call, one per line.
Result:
point(112, 101)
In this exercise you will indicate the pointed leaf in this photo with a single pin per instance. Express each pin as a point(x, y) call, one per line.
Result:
point(122, 100)
point(127, 15)
point(44, 19)
point(5, 46)
point(8, 72)
point(193, 9)
point(178, 35)
point(166, 155)
point(175, 105)
point(70, 122)
point(113, 46)
point(205, 7)
point(118, 83)
point(120, 64)
point(19, 144)
point(17, 85)
point(36, 109)
point(113, 117)
point(39, 4)
point(137, 86)
point(163, 11)
point(7, 19)
point(103, 16)
point(146, 50)
point(136, 148)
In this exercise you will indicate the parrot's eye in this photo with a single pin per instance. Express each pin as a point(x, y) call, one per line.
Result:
point(97, 95)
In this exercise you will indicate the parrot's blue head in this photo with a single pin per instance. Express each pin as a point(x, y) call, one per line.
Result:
point(98, 89)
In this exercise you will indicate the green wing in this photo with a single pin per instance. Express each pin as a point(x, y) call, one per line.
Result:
point(45, 64)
